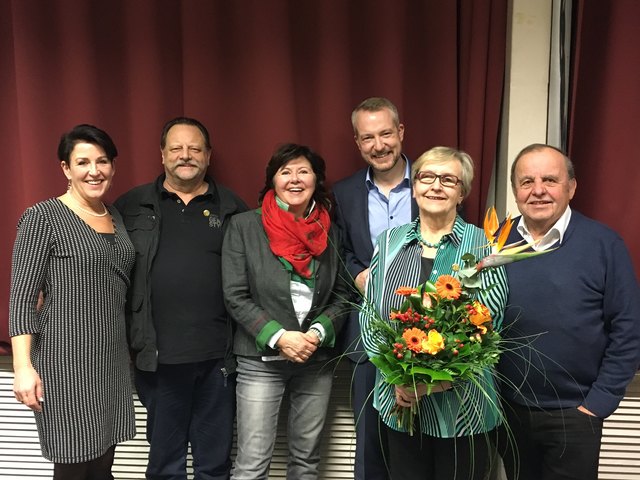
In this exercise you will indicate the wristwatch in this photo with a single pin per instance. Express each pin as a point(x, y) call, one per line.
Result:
point(318, 333)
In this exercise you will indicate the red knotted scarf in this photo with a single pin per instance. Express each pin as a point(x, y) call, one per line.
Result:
point(297, 240)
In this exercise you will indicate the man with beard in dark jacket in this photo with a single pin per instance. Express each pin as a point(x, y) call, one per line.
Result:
point(178, 328)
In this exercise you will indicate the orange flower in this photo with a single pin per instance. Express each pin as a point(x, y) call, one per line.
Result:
point(414, 338)
point(433, 343)
point(491, 224)
point(478, 313)
point(406, 291)
point(491, 227)
point(448, 287)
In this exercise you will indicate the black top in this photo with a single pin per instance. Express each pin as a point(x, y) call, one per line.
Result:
point(426, 265)
point(109, 237)
point(186, 285)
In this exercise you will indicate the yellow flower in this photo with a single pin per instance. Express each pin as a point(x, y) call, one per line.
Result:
point(414, 338)
point(434, 343)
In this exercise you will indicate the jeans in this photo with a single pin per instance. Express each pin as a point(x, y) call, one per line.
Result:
point(555, 444)
point(260, 391)
point(188, 403)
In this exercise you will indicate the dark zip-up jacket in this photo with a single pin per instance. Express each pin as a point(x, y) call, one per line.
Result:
point(140, 210)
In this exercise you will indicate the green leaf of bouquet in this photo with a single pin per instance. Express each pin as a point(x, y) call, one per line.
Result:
point(396, 379)
point(460, 367)
point(428, 287)
point(384, 327)
point(383, 364)
point(416, 303)
point(436, 375)
point(470, 278)
point(468, 257)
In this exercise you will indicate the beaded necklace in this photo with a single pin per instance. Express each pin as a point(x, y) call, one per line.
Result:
point(428, 244)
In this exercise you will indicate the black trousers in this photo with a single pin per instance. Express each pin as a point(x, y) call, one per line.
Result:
point(97, 469)
point(421, 457)
point(560, 444)
point(371, 456)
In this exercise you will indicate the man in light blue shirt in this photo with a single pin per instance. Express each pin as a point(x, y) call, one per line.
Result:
point(368, 202)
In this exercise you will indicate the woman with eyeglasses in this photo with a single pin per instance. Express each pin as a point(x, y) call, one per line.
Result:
point(453, 426)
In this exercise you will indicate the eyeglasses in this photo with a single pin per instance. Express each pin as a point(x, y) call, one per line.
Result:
point(446, 180)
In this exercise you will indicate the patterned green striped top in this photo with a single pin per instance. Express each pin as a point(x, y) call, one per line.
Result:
point(466, 409)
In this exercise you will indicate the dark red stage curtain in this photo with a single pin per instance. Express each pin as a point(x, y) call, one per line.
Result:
point(257, 73)
point(605, 115)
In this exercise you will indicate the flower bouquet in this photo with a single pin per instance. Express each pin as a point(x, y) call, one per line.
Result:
point(442, 331)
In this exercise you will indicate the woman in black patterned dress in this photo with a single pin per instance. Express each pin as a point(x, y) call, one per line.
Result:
point(70, 273)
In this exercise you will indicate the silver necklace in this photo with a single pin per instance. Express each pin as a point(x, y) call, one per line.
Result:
point(89, 212)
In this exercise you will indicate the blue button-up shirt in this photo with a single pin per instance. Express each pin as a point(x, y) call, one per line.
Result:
point(392, 211)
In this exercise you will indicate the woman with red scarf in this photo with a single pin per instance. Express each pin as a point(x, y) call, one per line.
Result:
point(286, 288)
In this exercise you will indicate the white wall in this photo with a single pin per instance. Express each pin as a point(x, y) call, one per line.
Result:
point(526, 89)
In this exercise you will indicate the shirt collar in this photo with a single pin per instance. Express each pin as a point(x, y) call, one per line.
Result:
point(166, 193)
point(406, 181)
point(455, 237)
point(554, 235)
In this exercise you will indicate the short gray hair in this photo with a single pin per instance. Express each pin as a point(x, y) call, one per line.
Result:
point(438, 155)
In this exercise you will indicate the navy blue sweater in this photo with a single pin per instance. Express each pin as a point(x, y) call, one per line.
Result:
point(572, 322)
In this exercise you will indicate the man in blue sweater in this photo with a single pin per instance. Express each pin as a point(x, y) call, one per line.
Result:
point(572, 326)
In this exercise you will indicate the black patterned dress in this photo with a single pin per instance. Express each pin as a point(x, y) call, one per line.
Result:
point(79, 344)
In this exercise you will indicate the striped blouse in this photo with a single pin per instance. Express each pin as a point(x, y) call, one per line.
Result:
point(79, 346)
point(467, 409)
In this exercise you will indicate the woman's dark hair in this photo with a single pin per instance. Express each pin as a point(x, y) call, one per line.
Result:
point(184, 121)
point(85, 134)
point(291, 151)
